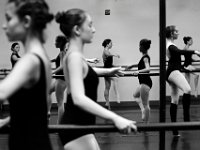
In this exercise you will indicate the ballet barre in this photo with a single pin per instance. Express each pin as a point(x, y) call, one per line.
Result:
point(5, 70)
point(111, 128)
point(132, 74)
point(140, 127)
point(154, 65)
point(125, 75)
point(129, 74)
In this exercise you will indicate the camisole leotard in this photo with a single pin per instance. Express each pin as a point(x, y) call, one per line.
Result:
point(28, 111)
point(175, 58)
point(144, 79)
point(77, 116)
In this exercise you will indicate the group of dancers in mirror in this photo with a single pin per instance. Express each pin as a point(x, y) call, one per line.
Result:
point(28, 87)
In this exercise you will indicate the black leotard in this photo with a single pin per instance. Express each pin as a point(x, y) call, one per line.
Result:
point(77, 116)
point(57, 61)
point(28, 111)
point(144, 79)
point(107, 60)
point(61, 71)
point(188, 60)
point(175, 59)
point(13, 62)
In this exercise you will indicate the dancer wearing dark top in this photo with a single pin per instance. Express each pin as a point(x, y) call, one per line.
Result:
point(82, 81)
point(175, 78)
point(26, 87)
point(15, 55)
point(58, 84)
point(62, 44)
point(108, 63)
point(76, 115)
point(141, 94)
point(30, 133)
point(188, 64)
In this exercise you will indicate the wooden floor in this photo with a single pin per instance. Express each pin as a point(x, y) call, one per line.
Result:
point(189, 140)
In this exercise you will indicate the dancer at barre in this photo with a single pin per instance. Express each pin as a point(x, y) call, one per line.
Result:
point(141, 94)
point(82, 82)
point(27, 85)
point(108, 63)
point(188, 64)
point(175, 78)
point(15, 48)
point(58, 84)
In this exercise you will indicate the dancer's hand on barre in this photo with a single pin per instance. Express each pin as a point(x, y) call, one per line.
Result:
point(124, 125)
point(135, 73)
point(93, 60)
point(117, 71)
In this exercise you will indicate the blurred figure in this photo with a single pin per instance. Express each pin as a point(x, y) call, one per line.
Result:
point(15, 48)
point(58, 84)
point(188, 65)
point(26, 86)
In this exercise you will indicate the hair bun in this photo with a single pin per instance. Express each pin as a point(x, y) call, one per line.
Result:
point(60, 17)
point(186, 37)
point(49, 17)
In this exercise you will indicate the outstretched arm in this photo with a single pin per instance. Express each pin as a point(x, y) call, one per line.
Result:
point(92, 60)
point(107, 53)
point(75, 68)
point(116, 71)
point(130, 67)
point(182, 52)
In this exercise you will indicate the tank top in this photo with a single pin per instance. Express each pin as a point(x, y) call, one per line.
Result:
point(144, 79)
point(107, 60)
point(28, 111)
point(74, 114)
point(175, 58)
point(188, 60)
point(57, 62)
point(13, 62)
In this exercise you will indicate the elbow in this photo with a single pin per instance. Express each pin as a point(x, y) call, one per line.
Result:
point(77, 99)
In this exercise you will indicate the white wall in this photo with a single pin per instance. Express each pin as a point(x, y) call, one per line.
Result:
point(129, 22)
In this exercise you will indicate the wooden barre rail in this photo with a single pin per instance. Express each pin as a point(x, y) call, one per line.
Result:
point(140, 127)
point(125, 75)
point(112, 128)
point(124, 66)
